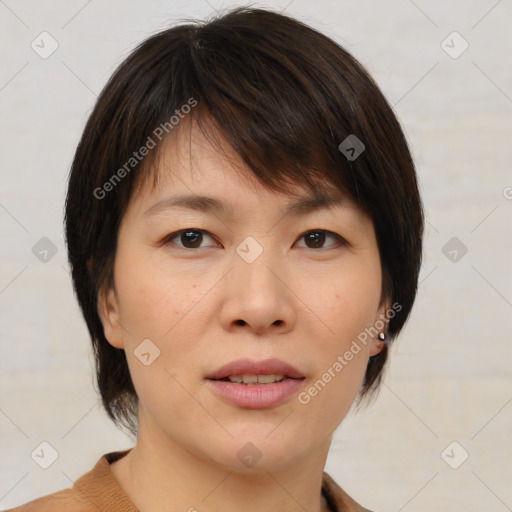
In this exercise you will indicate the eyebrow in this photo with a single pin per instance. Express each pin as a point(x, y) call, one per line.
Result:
point(302, 206)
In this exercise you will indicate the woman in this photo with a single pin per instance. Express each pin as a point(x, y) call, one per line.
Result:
point(244, 230)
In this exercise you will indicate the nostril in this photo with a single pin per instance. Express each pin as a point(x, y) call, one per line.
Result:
point(240, 322)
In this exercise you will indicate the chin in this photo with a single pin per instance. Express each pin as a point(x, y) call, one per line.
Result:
point(255, 453)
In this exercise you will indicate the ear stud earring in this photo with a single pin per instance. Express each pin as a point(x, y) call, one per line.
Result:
point(382, 336)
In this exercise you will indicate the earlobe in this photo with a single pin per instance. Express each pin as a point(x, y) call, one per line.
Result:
point(109, 316)
point(381, 324)
point(378, 344)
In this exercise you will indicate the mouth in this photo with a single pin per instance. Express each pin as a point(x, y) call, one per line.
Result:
point(248, 379)
point(248, 384)
point(248, 372)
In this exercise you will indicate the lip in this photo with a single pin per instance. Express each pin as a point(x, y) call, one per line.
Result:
point(255, 396)
point(248, 366)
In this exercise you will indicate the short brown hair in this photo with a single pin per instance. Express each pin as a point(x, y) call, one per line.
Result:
point(284, 96)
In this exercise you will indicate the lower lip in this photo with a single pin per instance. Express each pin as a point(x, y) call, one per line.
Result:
point(256, 396)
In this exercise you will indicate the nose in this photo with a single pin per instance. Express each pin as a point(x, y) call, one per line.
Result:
point(258, 297)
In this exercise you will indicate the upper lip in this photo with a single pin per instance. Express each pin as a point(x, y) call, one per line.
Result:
point(249, 367)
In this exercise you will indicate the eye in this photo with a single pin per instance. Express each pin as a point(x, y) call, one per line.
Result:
point(191, 238)
point(317, 238)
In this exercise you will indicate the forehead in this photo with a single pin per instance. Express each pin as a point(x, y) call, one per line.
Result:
point(196, 168)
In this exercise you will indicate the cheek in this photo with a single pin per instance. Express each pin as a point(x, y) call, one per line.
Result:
point(326, 400)
point(347, 304)
point(157, 304)
point(347, 301)
point(154, 300)
point(341, 364)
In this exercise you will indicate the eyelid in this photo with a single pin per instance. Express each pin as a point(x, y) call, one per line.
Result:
point(341, 240)
point(167, 239)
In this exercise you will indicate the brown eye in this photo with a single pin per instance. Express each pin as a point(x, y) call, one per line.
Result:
point(188, 238)
point(316, 239)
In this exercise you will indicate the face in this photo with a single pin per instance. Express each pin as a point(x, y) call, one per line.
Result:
point(195, 289)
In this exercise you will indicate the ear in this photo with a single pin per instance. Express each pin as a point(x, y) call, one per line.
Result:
point(381, 320)
point(108, 311)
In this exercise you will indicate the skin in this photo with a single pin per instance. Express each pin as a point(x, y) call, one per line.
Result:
point(188, 302)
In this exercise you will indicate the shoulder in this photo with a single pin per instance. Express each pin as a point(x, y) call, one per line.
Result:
point(95, 490)
point(337, 498)
point(60, 501)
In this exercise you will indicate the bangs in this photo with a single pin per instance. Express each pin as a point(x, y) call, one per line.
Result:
point(273, 168)
point(275, 107)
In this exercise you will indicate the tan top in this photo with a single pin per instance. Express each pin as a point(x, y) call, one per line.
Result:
point(99, 491)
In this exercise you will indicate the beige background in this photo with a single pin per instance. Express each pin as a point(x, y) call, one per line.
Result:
point(451, 373)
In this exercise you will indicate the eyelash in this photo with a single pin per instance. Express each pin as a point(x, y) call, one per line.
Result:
point(168, 239)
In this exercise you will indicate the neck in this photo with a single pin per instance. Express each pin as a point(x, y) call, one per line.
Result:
point(159, 473)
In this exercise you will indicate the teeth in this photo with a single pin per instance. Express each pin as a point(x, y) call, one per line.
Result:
point(256, 379)
point(267, 379)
